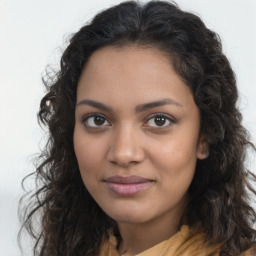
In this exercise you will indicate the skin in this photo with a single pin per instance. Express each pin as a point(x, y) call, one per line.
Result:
point(128, 142)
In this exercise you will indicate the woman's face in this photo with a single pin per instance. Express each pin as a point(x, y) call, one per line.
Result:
point(136, 134)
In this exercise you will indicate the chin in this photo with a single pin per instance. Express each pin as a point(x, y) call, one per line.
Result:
point(130, 217)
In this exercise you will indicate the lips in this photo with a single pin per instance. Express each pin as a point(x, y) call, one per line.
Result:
point(128, 186)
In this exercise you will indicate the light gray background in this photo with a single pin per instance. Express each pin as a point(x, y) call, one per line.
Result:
point(32, 35)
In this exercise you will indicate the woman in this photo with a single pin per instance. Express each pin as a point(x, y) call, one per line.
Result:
point(146, 148)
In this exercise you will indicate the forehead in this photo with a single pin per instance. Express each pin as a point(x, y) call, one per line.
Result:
point(129, 61)
point(131, 72)
point(131, 53)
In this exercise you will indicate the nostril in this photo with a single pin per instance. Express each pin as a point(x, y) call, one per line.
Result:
point(125, 156)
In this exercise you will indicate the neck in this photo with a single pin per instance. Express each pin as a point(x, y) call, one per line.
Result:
point(137, 238)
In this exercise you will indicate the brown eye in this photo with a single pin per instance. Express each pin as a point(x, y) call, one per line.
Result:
point(95, 121)
point(98, 120)
point(160, 120)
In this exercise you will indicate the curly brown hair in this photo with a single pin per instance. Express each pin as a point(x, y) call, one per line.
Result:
point(72, 222)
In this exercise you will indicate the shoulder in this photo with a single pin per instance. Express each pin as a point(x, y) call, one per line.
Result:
point(184, 243)
point(195, 242)
point(250, 252)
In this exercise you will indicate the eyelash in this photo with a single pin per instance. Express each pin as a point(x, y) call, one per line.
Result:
point(161, 115)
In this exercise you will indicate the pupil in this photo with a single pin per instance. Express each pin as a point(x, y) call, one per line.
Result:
point(160, 121)
point(99, 120)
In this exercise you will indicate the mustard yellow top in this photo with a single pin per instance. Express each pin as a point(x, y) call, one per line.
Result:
point(177, 245)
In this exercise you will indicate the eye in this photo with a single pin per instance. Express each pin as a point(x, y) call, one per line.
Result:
point(95, 120)
point(160, 120)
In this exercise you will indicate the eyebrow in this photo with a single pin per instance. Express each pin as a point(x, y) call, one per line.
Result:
point(94, 104)
point(158, 103)
point(139, 108)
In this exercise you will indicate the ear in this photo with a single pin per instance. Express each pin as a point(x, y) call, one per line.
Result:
point(202, 148)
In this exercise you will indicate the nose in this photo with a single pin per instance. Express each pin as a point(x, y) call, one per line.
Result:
point(125, 148)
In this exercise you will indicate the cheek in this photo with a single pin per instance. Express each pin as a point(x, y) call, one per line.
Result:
point(89, 154)
point(175, 152)
point(175, 161)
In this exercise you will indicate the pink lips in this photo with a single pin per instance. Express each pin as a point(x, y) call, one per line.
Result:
point(127, 186)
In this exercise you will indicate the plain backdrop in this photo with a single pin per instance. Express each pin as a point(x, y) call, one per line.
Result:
point(33, 33)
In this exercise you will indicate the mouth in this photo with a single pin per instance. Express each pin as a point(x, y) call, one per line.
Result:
point(128, 186)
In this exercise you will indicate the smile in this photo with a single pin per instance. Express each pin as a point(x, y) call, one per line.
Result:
point(128, 186)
